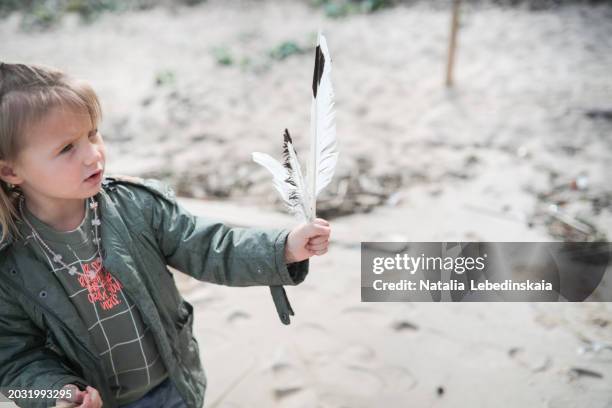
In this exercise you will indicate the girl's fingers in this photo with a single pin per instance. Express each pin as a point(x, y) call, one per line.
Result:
point(319, 230)
point(316, 247)
point(318, 244)
point(73, 394)
point(321, 221)
point(317, 240)
point(92, 399)
point(321, 252)
point(96, 400)
point(86, 402)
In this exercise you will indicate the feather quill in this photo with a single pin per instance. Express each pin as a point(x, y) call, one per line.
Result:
point(299, 193)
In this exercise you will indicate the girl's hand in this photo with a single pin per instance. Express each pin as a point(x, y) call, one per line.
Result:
point(306, 240)
point(90, 398)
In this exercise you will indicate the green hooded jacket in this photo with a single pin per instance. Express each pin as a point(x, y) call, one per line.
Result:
point(44, 344)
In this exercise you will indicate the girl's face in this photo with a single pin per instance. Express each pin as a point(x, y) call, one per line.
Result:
point(61, 152)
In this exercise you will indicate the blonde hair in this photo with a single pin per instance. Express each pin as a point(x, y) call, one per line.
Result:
point(27, 94)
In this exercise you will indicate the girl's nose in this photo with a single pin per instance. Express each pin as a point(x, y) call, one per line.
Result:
point(92, 154)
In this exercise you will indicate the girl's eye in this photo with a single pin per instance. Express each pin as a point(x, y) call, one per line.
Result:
point(66, 149)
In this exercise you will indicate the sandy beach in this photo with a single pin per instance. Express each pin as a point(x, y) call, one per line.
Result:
point(520, 149)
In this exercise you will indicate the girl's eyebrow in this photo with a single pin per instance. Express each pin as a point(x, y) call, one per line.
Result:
point(66, 141)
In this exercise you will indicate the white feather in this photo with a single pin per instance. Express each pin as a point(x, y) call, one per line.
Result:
point(323, 149)
point(279, 173)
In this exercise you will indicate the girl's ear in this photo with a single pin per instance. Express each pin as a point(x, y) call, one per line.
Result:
point(7, 173)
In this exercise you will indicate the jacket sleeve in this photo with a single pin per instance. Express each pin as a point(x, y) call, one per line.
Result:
point(211, 251)
point(26, 364)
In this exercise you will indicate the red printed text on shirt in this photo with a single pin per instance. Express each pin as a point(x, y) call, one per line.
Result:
point(103, 288)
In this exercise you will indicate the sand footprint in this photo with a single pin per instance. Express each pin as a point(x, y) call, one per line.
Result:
point(339, 380)
point(365, 310)
point(237, 316)
point(357, 354)
point(315, 338)
point(287, 375)
point(397, 378)
point(535, 362)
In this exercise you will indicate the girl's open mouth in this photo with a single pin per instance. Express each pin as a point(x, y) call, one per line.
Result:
point(94, 178)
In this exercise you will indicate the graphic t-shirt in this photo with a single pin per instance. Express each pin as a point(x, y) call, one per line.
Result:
point(127, 347)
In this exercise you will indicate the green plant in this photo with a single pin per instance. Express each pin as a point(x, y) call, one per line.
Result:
point(192, 2)
point(222, 56)
point(286, 49)
point(165, 77)
point(342, 8)
point(41, 15)
point(89, 10)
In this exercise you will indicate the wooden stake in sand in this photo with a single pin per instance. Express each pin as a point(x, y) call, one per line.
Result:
point(452, 43)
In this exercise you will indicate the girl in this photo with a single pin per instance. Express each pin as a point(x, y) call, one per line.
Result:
point(89, 312)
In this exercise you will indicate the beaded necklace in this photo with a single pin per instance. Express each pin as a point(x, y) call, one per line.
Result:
point(57, 258)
